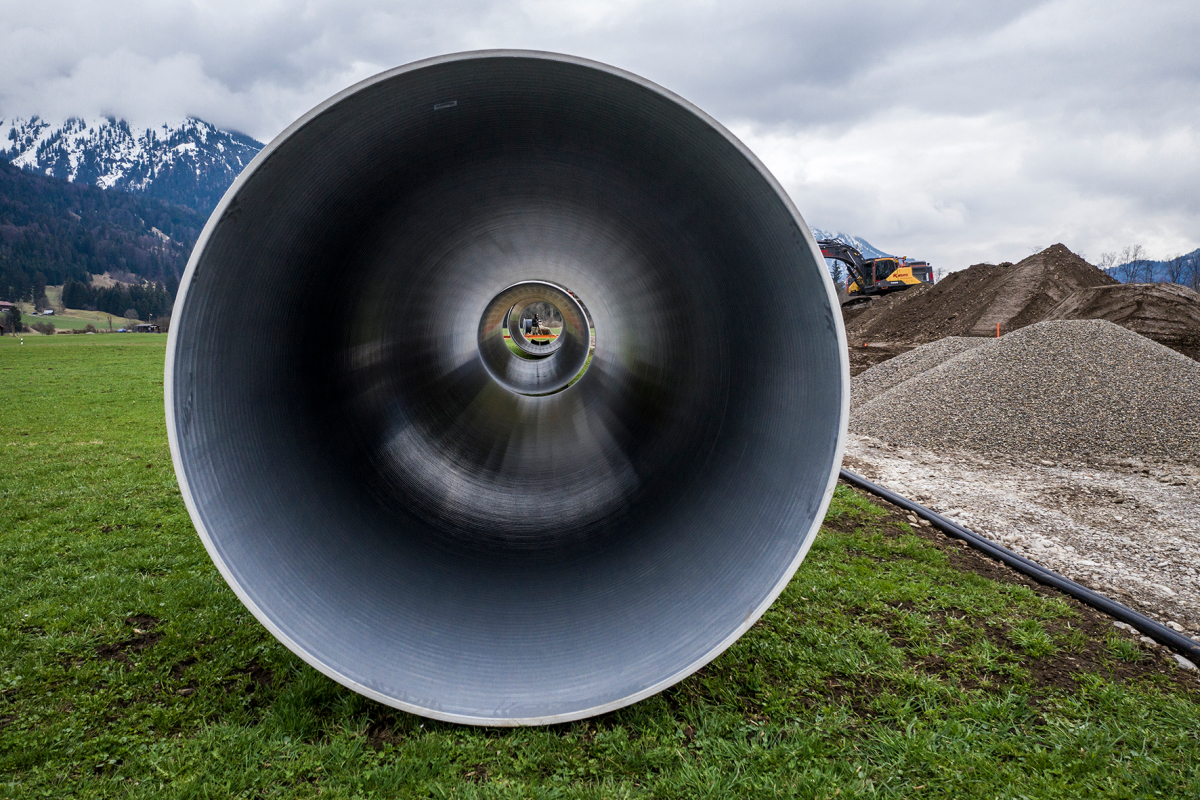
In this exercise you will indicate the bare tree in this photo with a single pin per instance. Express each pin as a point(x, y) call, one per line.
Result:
point(1192, 267)
point(1146, 272)
point(1129, 263)
point(1107, 262)
point(1175, 266)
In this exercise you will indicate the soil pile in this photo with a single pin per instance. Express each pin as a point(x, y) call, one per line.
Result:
point(1164, 312)
point(972, 301)
point(1058, 389)
point(878, 379)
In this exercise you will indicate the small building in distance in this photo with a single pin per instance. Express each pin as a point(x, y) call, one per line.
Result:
point(146, 327)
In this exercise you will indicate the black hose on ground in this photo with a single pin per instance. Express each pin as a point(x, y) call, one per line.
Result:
point(1156, 631)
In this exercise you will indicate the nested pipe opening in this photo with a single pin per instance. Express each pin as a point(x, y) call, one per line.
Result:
point(553, 365)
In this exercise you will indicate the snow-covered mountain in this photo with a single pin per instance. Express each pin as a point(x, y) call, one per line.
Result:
point(189, 162)
point(862, 245)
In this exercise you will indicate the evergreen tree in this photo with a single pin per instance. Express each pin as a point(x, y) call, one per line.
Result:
point(13, 320)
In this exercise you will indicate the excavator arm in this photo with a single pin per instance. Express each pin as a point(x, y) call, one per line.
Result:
point(856, 265)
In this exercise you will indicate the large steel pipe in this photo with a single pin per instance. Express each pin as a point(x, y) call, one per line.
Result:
point(408, 523)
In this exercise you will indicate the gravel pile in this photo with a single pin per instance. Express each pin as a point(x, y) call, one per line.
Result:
point(894, 371)
point(1164, 312)
point(1059, 389)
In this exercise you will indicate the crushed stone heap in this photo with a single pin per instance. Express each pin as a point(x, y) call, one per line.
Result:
point(894, 371)
point(1057, 389)
point(972, 301)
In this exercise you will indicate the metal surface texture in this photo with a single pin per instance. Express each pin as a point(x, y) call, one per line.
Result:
point(445, 535)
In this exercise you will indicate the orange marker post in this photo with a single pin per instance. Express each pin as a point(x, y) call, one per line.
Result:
point(997, 330)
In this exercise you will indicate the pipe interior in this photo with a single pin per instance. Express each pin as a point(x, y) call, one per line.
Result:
point(413, 526)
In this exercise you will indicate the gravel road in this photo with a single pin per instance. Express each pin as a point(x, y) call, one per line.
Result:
point(1125, 528)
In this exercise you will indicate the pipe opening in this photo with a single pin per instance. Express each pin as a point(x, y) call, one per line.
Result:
point(546, 363)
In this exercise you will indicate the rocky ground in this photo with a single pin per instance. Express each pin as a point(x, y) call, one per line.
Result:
point(1054, 390)
point(1123, 527)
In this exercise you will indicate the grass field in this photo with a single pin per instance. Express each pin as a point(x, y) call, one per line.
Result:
point(890, 667)
point(71, 318)
point(74, 319)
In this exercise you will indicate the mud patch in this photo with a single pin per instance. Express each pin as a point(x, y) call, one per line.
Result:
point(259, 676)
point(178, 670)
point(143, 622)
point(143, 639)
point(476, 774)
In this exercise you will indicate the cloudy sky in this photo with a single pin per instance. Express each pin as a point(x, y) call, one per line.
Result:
point(953, 131)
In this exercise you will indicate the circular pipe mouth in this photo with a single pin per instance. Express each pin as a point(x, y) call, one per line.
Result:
point(524, 330)
point(521, 325)
point(554, 366)
point(428, 518)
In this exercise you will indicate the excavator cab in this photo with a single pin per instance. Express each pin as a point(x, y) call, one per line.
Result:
point(883, 268)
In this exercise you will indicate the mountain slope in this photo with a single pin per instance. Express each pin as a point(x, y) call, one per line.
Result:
point(64, 231)
point(189, 163)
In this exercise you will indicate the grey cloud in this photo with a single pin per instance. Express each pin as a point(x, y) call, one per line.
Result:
point(948, 127)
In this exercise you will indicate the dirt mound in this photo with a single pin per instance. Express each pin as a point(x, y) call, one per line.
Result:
point(972, 301)
point(1164, 312)
point(1051, 390)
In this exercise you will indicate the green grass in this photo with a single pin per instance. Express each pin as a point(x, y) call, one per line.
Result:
point(71, 318)
point(882, 671)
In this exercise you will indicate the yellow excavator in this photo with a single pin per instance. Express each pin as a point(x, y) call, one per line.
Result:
point(875, 276)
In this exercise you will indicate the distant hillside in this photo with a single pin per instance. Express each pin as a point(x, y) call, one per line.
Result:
point(1185, 271)
point(189, 163)
point(52, 232)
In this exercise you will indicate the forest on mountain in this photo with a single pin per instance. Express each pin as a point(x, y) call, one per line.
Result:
point(54, 232)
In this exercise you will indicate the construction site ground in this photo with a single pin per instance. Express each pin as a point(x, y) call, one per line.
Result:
point(1123, 526)
point(1127, 530)
point(863, 357)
